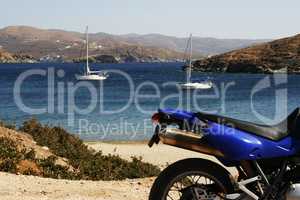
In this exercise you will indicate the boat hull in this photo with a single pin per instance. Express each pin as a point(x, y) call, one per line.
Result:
point(90, 77)
point(192, 86)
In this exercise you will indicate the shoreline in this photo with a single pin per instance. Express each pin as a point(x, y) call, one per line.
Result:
point(66, 62)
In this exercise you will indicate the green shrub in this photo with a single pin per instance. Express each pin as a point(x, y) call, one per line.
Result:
point(30, 172)
point(8, 125)
point(8, 149)
point(102, 167)
point(138, 169)
point(8, 165)
point(58, 140)
point(51, 170)
point(91, 165)
point(30, 155)
point(9, 156)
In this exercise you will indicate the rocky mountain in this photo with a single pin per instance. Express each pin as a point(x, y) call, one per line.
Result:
point(276, 56)
point(58, 45)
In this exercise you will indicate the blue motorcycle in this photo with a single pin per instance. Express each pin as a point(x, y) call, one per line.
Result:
point(266, 158)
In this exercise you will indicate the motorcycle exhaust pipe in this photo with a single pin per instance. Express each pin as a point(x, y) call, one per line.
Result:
point(188, 140)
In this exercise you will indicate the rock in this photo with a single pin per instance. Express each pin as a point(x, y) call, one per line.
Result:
point(130, 59)
point(6, 57)
point(106, 59)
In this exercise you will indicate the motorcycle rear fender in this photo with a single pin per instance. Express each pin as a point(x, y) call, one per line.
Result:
point(238, 145)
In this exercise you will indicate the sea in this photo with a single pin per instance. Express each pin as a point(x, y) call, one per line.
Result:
point(120, 107)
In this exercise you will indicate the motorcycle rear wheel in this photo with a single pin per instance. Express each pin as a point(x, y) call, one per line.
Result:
point(192, 179)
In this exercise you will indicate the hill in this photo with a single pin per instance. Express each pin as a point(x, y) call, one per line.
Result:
point(58, 45)
point(203, 45)
point(269, 57)
point(52, 45)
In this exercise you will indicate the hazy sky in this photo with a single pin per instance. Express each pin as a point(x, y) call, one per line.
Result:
point(213, 18)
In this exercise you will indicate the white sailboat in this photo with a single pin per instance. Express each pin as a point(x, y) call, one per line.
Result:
point(89, 75)
point(189, 84)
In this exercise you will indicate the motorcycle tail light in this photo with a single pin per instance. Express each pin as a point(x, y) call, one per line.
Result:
point(155, 118)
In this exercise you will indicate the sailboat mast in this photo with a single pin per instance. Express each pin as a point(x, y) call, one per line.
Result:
point(87, 50)
point(189, 71)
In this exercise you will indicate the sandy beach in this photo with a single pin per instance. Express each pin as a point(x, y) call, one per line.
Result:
point(19, 187)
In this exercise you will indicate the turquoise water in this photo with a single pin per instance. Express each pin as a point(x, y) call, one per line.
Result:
point(133, 122)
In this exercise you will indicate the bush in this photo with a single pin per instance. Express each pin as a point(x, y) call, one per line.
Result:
point(91, 165)
point(9, 156)
point(58, 140)
point(138, 169)
point(51, 170)
point(112, 167)
point(30, 172)
point(8, 165)
point(9, 126)
point(30, 155)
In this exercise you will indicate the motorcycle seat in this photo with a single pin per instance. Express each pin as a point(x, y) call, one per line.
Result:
point(290, 125)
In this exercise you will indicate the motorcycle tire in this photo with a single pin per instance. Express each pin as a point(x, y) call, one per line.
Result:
point(205, 168)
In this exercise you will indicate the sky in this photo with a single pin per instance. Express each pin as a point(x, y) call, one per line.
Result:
point(252, 19)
